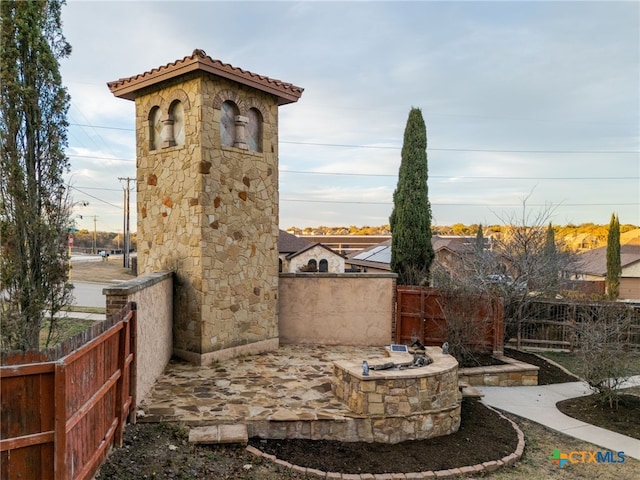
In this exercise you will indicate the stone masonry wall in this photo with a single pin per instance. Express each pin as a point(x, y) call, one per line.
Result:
point(407, 404)
point(210, 214)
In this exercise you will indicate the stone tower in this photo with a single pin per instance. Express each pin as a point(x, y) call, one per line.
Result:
point(207, 199)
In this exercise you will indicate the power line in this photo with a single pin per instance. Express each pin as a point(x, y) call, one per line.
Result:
point(101, 158)
point(93, 196)
point(388, 147)
point(99, 188)
point(94, 129)
point(394, 175)
point(102, 126)
point(472, 177)
point(459, 204)
point(484, 150)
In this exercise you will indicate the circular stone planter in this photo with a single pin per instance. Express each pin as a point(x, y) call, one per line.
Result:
point(395, 405)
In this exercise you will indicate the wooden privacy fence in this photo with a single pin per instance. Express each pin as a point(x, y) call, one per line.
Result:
point(59, 416)
point(426, 314)
point(552, 324)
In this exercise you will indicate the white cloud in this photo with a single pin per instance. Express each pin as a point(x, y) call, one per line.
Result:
point(523, 77)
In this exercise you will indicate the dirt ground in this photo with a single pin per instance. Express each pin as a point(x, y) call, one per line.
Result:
point(162, 451)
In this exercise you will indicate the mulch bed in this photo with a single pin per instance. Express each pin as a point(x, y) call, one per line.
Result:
point(590, 410)
point(548, 374)
point(162, 451)
point(483, 436)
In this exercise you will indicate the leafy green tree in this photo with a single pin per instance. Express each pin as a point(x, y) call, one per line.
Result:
point(410, 221)
point(34, 206)
point(614, 267)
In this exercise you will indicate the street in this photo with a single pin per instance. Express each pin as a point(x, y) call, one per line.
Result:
point(88, 294)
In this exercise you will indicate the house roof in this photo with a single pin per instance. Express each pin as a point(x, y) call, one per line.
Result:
point(594, 262)
point(288, 243)
point(199, 61)
point(455, 243)
point(309, 247)
point(379, 256)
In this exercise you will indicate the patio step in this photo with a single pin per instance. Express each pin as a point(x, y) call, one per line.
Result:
point(216, 434)
point(468, 391)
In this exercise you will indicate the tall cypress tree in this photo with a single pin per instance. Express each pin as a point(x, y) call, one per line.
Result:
point(479, 246)
point(34, 207)
point(411, 249)
point(614, 267)
point(551, 266)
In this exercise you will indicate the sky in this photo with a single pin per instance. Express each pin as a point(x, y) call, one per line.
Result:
point(531, 108)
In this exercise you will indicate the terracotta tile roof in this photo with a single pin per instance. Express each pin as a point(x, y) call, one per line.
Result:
point(199, 60)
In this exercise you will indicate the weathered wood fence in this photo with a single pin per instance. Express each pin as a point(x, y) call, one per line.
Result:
point(421, 314)
point(62, 409)
point(553, 324)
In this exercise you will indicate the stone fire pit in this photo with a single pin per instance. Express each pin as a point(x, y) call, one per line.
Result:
point(402, 403)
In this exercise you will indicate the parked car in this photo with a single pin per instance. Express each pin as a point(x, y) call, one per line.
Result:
point(505, 281)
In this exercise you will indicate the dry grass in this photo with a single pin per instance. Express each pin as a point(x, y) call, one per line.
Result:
point(102, 272)
point(64, 328)
point(541, 442)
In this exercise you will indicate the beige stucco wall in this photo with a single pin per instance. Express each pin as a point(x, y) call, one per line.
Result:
point(153, 295)
point(336, 309)
point(210, 214)
point(629, 289)
point(632, 270)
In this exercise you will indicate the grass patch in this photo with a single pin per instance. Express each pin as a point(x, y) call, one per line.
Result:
point(102, 272)
point(77, 309)
point(570, 361)
point(63, 329)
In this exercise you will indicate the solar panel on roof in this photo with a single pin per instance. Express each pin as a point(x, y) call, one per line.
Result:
point(383, 256)
point(368, 253)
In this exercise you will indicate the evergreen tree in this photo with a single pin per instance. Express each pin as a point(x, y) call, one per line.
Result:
point(479, 240)
point(614, 267)
point(550, 259)
point(410, 221)
point(34, 206)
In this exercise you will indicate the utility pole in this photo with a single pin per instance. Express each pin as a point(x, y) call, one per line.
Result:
point(127, 238)
point(95, 245)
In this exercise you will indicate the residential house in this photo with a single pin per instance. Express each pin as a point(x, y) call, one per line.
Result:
point(347, 244)
point(300, 255)
point(450, 251)
point(592, 266)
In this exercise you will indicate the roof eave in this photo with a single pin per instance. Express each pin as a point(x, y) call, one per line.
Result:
point(127, 88)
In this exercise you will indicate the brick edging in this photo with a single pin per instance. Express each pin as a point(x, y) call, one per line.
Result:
point(485, 467)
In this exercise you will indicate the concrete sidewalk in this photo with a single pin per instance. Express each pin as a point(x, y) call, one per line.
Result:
point(538, 403)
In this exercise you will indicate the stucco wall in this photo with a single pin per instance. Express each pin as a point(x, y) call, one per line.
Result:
point(153, 295)
point(629, 289)
point(336, 309)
